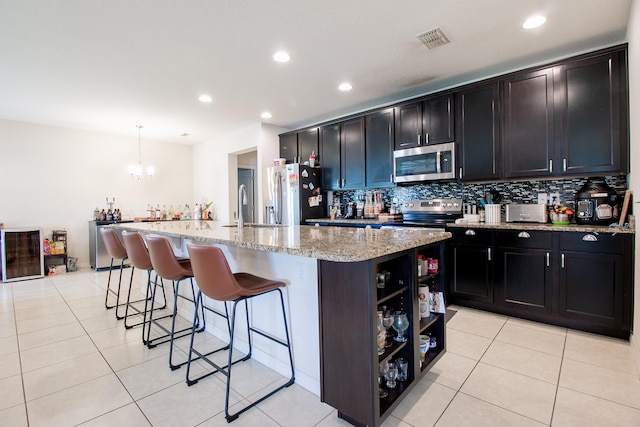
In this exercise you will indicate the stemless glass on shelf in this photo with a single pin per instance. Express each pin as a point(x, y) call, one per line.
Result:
point(400, 324)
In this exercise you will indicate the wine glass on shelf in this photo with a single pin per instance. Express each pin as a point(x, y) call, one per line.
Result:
point(387, 321)
point(400, 324)
point(383, 368)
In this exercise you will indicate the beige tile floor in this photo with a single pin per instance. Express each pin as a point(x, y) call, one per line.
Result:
point(66, 361)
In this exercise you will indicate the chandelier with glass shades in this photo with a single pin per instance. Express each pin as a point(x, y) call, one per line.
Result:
point(136, 170)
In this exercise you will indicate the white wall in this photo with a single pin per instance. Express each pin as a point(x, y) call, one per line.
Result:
point(633, 37)
point(215, 164)
point(54, 178)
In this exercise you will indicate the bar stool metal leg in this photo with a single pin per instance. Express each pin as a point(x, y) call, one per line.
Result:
point(115, 292)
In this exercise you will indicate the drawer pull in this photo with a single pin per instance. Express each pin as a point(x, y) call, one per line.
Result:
point(470, 233)
point(562, 261)
point(548, 262)
point(589, 238)
point(524, 235)
point(488, 254)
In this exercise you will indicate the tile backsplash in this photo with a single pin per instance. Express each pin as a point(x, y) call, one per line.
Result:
point(511, 192)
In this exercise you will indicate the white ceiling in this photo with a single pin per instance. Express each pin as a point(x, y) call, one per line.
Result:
point(107, 65)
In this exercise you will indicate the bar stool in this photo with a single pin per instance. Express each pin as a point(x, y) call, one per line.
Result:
point(167, 266)
point(216, 281)
point(116, 251)
point(139, 257)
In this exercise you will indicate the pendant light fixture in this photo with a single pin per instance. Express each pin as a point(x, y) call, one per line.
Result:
point(136, 170)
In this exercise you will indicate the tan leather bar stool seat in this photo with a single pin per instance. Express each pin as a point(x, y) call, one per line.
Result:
point(167, 266)
point(216, 281)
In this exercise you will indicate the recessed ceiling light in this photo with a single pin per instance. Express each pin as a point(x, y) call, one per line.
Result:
point(345, 87)
point(281, 56)
point(266, 115)
point(205, 98)
point(534, 22)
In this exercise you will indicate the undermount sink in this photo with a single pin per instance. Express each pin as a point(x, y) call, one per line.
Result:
point(253, 225)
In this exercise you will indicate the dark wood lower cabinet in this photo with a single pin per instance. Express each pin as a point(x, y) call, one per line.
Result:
point(349, 360)
point(572, 279)
point(471, 264)
point(524, 277)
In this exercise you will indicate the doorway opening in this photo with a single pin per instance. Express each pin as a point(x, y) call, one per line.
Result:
point(247, 164)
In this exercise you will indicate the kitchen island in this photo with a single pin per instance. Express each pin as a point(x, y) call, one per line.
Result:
point(332, 301)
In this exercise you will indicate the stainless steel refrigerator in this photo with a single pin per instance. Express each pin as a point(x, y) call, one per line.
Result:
point(293, 194)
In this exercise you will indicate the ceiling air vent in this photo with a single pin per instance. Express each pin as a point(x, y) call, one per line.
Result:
point(433, 38)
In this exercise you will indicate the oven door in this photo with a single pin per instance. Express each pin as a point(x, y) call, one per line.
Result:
point(427, 163)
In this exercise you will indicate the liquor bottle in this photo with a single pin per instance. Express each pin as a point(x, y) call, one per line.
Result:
point(158, 214)
point(109, 215)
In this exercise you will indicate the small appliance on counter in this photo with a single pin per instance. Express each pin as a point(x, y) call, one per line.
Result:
point(526, 213)
point(596, 203)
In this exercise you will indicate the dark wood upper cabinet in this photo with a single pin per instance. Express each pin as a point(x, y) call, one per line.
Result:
point(568, 120)
point(408, 125)
point(438, 119)
point(379, 131)
point(330, 156)
point(478, 125)
point(430, 121)
point(342, 155)
point(289, 147)
point(352, 153)
point(591, 116)
point(307, 144)
point(528, 124)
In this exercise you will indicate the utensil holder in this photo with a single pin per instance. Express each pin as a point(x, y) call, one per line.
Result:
point(492, 213)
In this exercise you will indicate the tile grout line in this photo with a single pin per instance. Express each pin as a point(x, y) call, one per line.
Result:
point(555, 396)
point(15, 325)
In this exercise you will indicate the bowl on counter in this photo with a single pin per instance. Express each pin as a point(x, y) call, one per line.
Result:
point(559, 219)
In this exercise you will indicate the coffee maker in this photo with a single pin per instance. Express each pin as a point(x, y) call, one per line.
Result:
point(596, 203)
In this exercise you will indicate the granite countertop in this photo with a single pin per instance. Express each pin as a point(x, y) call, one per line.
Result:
point(352, 221)
point(546, 227)
point(340, 244)
point(500, 226)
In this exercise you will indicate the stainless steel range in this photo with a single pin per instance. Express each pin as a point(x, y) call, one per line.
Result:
point(429, 213)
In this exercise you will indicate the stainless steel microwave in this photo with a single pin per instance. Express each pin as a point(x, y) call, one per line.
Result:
point(425, 163)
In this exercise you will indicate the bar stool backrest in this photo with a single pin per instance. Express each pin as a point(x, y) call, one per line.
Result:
point(164, 261)
point(113, 244)
point(212, 272)
point(137, 250)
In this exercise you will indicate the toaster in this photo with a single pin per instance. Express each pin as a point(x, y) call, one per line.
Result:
point(526, 213)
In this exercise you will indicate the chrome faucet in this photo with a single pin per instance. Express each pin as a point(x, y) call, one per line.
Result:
point(242, 200)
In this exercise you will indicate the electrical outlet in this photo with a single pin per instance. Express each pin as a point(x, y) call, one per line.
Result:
point(555, 198)
point(543, 198)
